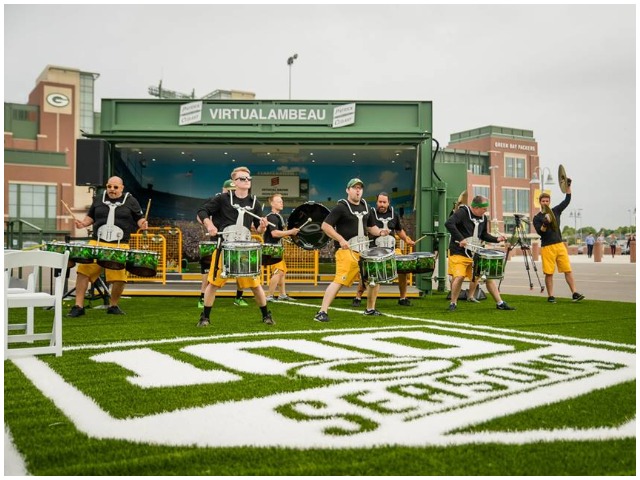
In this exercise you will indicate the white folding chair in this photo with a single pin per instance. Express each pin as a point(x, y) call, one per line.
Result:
point(30, 298)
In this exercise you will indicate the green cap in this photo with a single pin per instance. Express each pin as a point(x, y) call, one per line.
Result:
point(229, 185)
point(355, 181)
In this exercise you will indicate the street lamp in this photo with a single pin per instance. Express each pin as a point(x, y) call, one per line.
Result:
point(494, 214)
point(290, 63)
point(535, 180)
point(576, 214)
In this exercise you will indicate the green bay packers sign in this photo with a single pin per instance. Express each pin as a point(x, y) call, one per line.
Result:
point(250, 114)
point(418, 385)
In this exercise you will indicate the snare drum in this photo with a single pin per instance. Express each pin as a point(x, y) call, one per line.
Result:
point(111, 258)
point(488, 264)
point(143, 263)
point(82, 252)
point(241, 259)
point(272, 253)
point(425, 262)
point(207, 249)
point(379, 265)
point(407, 263)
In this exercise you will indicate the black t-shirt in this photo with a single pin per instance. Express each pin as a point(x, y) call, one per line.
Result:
point(126, 215)
point(223, 214)
point(345, 222)
point(461, 225)
point(278, 221)
point(394, 220)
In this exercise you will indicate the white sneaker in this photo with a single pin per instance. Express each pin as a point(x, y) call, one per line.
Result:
point(270, 298)
point(286, 298)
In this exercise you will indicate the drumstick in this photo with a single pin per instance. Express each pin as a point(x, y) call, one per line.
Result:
point(308, 220)
point(423, 236)
point(146, 214)
point(259, 218)
point(68, 209)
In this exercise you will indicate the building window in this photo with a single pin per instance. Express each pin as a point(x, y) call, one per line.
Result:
point(515, 200)
point(515, 167)
point(480, 190)
point(34, 203)
point(86, 102)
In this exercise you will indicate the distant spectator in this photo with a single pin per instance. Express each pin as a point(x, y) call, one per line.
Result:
point(613, 244)
point(590, 241)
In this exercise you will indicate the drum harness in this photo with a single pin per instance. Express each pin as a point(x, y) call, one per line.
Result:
point(389, 241)
point(110, 231)
point(356, 243)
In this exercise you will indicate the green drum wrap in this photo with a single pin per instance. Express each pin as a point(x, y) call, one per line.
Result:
point(272, 253)
point(56, 247)
point(488, 264)
point(82, 253)
point(207, 249)
point(111, 258)
point(241, 259)
point(407, 263)
point(143, 263)
point(425, 262)
point(379, 265)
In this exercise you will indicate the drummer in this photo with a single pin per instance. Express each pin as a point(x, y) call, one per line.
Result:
point(115, 216)
point(231, 215)
point(346, 225)
point(273, 235)
point(387, 219)
point(204, 267)
point(468, 224)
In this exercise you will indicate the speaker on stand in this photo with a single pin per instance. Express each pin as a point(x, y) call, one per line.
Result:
point(92, 162)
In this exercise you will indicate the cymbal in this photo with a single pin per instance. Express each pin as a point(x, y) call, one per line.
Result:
point(562, 179)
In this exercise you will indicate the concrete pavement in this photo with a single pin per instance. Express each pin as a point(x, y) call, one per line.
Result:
point(611, 279)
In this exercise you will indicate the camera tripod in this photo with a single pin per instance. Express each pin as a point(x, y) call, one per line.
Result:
point(519, 238)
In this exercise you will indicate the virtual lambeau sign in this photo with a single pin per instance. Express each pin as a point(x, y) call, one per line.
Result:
point(414, 386)
point(251, 114)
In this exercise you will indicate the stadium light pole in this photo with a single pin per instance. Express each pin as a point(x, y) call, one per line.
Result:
point(290, 61)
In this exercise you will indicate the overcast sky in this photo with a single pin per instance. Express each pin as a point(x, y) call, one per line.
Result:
point(566, 72)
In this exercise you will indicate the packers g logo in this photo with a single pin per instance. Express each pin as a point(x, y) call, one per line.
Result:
point(58, 100)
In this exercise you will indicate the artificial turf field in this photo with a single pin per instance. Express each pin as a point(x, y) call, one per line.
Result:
point(543, 390)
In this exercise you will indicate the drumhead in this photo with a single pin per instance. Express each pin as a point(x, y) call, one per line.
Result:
point(377, 252)
point(311, 236)
point(241, 246)
point(485, 252)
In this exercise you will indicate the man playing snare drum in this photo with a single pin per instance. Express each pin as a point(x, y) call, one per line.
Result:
point(273, 235)
point(387, 219)
point(469, 224)
point(347, 224)
point(115, 216)
point(231, 215)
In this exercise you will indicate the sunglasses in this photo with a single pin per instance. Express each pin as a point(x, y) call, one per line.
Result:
point(244, 179)
point(114, 187)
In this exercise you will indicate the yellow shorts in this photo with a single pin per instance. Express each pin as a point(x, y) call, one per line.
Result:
point(218, 281)
point(281, 266)
point(460, 266)
point(93, 270)
point(553, 255)
point(347, 268)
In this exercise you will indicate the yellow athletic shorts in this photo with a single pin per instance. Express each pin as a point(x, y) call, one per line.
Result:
point(93, 270)
point(346, 267)
point(460, 266)
point(278, 267)
point(553, 255)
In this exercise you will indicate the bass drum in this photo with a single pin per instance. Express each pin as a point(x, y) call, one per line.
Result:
point(309, 216)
